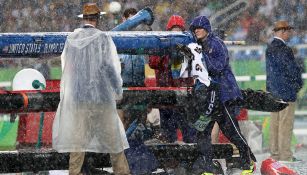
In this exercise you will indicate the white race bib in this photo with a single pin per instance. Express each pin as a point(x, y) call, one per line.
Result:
point(201, 123)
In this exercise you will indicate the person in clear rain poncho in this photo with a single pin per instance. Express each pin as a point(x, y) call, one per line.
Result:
point(86, 119)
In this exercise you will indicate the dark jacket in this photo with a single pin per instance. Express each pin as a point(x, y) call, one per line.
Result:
point(283, 74)
point(217, 61)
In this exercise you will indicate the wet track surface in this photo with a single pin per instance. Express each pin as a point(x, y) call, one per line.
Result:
point(299, 167)
point(300, 153)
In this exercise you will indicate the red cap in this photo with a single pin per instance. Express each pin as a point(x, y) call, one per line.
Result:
point(175, 20)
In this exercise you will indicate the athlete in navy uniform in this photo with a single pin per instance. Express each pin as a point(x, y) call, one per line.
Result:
point(215, 96)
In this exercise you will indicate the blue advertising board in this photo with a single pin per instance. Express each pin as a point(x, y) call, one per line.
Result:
point(50, 44)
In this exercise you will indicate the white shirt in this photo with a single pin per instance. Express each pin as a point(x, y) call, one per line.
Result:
point(280, 39)
point(86, 24)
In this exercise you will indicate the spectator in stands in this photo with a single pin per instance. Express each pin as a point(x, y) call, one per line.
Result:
point(166, 68)
point(255, 29)
point(46, 15)
point(215, 99)
point(283, 81)
point(86, 119)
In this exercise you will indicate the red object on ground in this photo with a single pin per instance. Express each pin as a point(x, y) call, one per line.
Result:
point(28, 126)
point(273, 167)
point(242, 116)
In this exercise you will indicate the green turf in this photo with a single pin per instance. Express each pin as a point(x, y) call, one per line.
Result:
point(250, 68)
point(7, 74)
point(8, 133)
point(55, 73)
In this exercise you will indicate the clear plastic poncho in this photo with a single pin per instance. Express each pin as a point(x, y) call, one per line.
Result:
point(86, 119)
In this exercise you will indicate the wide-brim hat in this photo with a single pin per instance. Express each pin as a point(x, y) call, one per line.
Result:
point(282, 25)
point(91, 10)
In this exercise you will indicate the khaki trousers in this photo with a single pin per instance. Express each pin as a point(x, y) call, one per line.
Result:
point(215, 133)
point(281, 129)
point(118, 161)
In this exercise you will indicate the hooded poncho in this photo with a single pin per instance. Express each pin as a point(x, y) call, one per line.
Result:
point(86, 119)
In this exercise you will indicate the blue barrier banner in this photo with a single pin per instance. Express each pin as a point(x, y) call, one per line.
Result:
point(50, 44)
point(31, 44)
